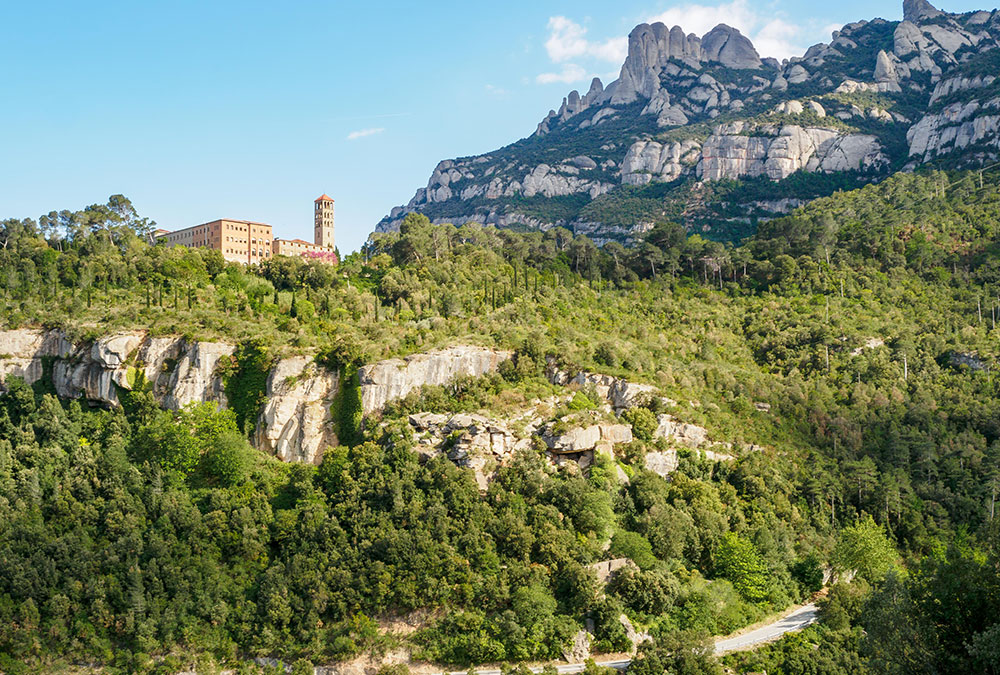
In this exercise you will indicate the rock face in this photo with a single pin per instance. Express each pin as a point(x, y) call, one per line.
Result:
point(93, 370)
point(183, 372)
point(778, 152)
point(395, 378)
point(295, 425)
point(958, 126)
point(649, 161)
point(23, 353)
point(179, 372)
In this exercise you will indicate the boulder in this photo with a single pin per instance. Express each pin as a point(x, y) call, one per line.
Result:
point(671, 429)
point(661, 463)
point(578, 650)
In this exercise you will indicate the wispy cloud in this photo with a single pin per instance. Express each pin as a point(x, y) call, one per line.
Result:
point(569, 74)
point(494, 90)
point(361, 133)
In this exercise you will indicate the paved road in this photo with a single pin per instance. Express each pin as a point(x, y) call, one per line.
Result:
point(795, 620)
point(565, 668)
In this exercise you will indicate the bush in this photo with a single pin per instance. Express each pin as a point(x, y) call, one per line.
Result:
point(642, 421)
point(633, 546)
point(228, 460)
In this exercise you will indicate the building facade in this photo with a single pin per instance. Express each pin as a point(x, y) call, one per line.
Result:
point(302, 248)
point(323, 221)
point(242, 241)
point(247, 242)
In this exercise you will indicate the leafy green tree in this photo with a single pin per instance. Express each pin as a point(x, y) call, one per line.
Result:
point(635, 547)
point(643, 422)
point(864, 547)
point(738, 560)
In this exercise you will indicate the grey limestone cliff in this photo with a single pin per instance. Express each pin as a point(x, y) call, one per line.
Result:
point(295, 423)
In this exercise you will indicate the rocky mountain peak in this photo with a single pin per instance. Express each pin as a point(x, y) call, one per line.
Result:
point(652, 47)
point(916, 11)
point(726, 45)
point(881, 96)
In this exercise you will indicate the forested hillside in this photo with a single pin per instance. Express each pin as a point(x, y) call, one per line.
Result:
point(845, 352)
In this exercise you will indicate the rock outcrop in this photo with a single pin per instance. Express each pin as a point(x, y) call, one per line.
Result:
point(918, 10)
point(649, 161)
point(619, 392)
point(295, 425)
point(395, 378)
point(471, 441)
point(581, 439)
point(24, 352)
point(957, 126)
point(736, 150)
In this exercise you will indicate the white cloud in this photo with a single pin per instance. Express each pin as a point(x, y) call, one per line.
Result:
point(570, 73)
point(568, 40)
point(567, 44)
point(361, 133)
point(494, 90)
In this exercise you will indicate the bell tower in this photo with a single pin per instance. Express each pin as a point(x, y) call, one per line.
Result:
point(323, 222)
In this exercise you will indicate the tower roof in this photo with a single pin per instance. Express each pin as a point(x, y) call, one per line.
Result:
point(324, 198)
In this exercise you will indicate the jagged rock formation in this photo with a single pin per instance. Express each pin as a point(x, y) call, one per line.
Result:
point(932, 75)
point(295, 424)
point(476, 442)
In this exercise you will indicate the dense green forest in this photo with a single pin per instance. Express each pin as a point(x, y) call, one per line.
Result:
point(852, 342)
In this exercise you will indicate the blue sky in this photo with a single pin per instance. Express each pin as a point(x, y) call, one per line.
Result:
point(202, 110)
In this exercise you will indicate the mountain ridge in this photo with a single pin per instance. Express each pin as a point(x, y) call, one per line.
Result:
point(882, 96)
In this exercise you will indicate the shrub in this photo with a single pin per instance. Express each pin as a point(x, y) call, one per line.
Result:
point(642, 421)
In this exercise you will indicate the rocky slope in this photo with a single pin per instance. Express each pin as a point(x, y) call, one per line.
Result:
point(572, 441)
point(881, 96)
